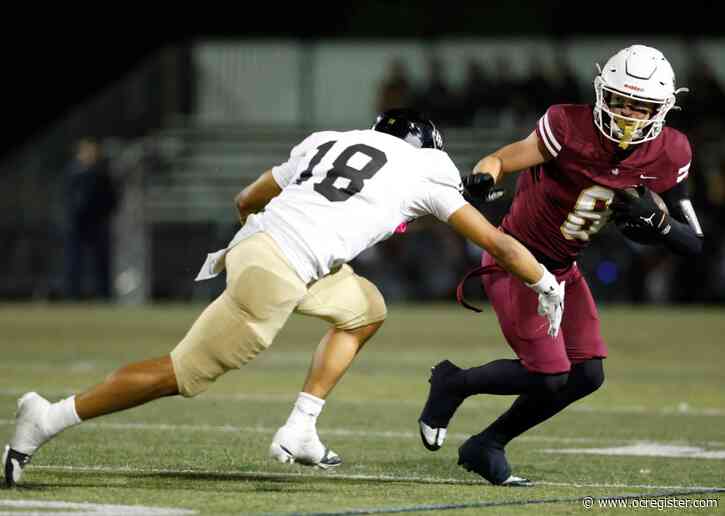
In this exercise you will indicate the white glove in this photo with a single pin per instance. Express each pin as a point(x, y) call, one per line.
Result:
point(551, 300)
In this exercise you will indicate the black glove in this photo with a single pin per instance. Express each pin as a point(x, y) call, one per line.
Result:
point(479, 187)
point(641, 211)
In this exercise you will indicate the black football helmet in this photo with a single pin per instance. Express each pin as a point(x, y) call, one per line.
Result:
point(411, 126)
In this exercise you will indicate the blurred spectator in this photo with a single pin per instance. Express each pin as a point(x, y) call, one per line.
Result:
point(506, 98)
point(705, 103)
point(537, 91)
point(434, 258)
point(435, 99)
point(498, 99)
point(423, 263)
point(476, 99)
point(566, 84)
point(395, 89)
point(713, 281)
point(646, 263)
point(91, 199)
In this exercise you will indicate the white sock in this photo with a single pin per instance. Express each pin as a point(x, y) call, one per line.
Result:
point(306, 409)
point(61, 415)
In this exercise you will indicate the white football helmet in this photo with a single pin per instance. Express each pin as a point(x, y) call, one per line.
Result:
point(643, 75)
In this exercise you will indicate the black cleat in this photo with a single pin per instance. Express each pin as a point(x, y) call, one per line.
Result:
point(329, 460)
point(486, 457)
point(440, 406)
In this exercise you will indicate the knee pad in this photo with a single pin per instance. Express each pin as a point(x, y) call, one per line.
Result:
point(345, 300)
point(375, 307)
point(224, 337)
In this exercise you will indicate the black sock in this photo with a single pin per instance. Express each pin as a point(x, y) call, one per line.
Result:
point(505, 377)
point(533, 408)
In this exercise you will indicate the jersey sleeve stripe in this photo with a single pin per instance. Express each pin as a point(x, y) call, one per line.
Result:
point(545, 139)
point(683, 172)
point(550, 133)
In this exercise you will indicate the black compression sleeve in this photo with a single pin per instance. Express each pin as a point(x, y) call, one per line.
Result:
point(680, 238)
point(681, 234)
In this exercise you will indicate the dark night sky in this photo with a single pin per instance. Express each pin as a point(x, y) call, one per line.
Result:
point(52, 75)
point(56, 68)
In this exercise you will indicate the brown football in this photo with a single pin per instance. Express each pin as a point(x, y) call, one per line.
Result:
point(634, 193)
point(638, 233)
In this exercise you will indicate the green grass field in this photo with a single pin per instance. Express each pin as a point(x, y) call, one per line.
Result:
point(665, 393)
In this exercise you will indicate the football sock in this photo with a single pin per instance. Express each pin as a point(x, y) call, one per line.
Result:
point(533, 408)
point(306, 409)
point(505, 377)
point(61, 415)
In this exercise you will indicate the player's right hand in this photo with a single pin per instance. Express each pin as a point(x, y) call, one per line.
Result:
point(479, 187)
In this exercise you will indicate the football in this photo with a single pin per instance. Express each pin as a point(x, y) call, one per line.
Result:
point(635, 232)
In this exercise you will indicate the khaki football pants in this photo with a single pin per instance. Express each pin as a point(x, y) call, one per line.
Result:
point(262, 291)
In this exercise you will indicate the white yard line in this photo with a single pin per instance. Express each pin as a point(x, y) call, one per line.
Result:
point(682, 409)
point(349, 432)
point(334, 475)
point(21, 507)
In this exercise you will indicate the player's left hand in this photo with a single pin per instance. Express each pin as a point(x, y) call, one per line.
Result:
point(641, 211)
point(480, 187)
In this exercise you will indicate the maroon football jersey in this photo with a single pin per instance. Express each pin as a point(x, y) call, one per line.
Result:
point(560, 205)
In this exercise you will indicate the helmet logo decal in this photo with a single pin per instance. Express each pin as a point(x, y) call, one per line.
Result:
point(438, 139)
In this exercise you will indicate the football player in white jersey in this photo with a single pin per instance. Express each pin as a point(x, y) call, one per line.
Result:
point(338, 194)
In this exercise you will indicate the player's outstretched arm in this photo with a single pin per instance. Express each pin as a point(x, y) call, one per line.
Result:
point(507, 251)
point(256, 196)
point(516, 156)
point(515, 258)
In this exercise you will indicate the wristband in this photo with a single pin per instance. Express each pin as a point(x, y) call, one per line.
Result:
point(546, 284)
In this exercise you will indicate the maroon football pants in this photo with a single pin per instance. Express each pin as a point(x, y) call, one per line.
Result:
point(525, 330)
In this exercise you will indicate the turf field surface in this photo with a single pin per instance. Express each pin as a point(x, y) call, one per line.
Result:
point(655, 432)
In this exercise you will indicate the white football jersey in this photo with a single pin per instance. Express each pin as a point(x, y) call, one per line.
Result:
point(342, 192)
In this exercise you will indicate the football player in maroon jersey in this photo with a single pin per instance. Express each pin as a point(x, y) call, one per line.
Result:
point(575, 164)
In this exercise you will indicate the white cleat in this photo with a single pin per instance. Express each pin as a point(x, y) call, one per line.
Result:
point(432, 438)
point(29, 436)
point(302, 446)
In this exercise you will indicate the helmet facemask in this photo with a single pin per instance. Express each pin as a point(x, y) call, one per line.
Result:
point(625, 130)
